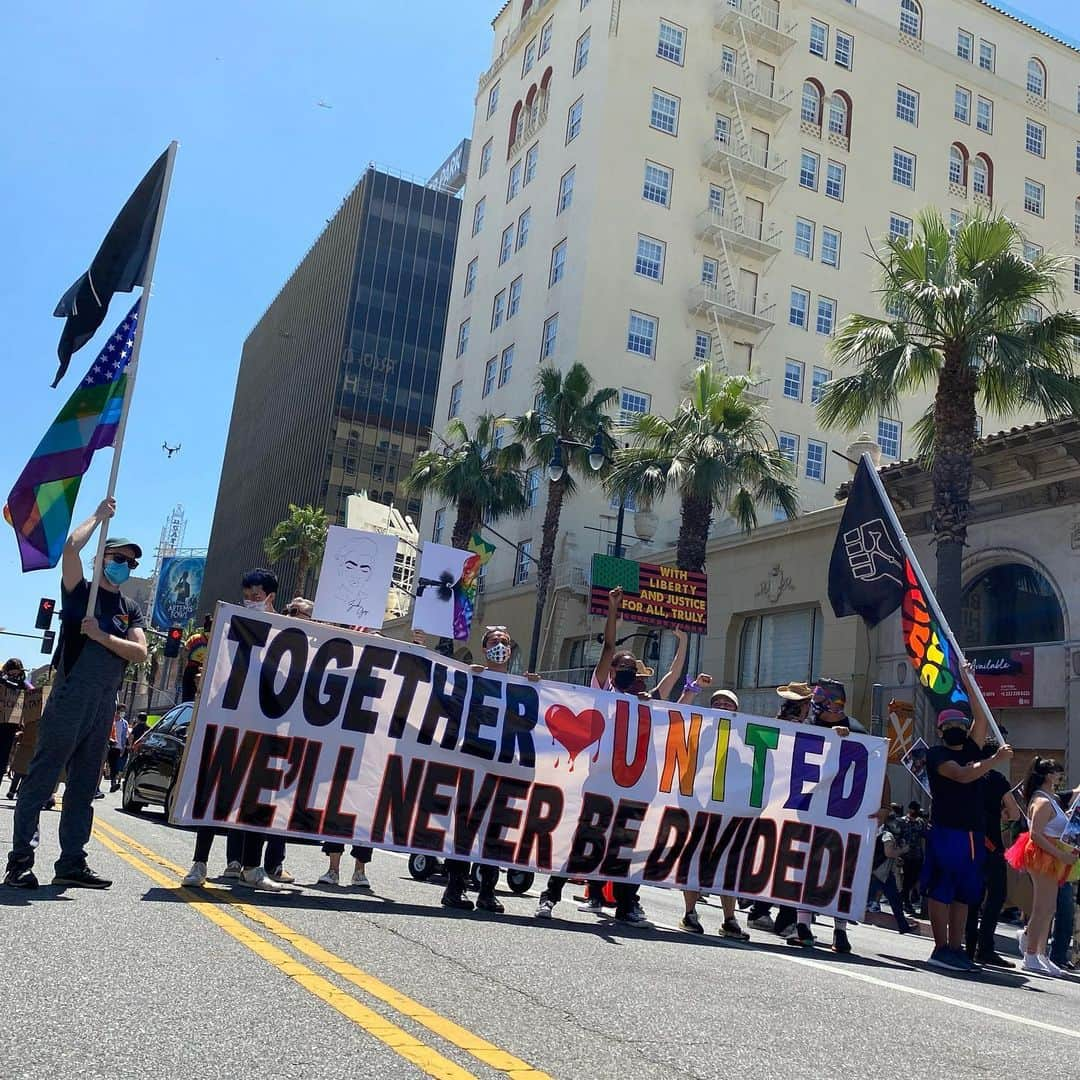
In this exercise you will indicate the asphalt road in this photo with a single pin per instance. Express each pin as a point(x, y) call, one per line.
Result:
point(150, 980)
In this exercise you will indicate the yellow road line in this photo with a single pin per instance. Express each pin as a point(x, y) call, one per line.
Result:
point(425, 1058)
point(486, 1052)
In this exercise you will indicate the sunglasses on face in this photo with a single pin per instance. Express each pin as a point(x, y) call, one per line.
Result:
point(133, 563)
point(491, 629)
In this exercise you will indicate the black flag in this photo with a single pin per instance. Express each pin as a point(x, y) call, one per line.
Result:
point(866, 571)
point(119, 266)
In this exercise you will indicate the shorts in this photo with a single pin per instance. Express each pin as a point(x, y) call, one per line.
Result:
point(952, 872)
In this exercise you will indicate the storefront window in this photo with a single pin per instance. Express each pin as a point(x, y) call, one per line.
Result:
point(1011, 604)
point(780, 647)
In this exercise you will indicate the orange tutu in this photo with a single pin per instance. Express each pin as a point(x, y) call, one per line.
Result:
point(1026, 856)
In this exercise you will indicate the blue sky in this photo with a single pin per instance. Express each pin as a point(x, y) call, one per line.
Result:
point(95, 92)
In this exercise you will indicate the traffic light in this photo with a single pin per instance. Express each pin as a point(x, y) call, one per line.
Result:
point(47, 640)
point(45, 610)
point(173, 640)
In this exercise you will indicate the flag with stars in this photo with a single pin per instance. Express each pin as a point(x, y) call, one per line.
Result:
point(41, 502)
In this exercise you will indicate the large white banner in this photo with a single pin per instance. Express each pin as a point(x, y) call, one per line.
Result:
point(310, 731)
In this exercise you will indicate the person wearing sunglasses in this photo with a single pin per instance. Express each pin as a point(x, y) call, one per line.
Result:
point(91, 657)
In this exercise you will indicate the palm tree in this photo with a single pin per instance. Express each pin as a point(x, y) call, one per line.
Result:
point(472, 471)
point(717, 452)
point(568, 414)
point(973, 322)
point(302, 534)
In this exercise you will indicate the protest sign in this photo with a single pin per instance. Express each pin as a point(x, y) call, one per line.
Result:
point(652, 595)
point(446, 588)
point(355, 578)
point(915, 763)
point(901, 730)
point(311, 732)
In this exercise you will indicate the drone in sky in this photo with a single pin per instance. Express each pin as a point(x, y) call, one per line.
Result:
point(170, 450)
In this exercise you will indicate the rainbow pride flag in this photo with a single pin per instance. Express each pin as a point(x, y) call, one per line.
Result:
point(40, 505)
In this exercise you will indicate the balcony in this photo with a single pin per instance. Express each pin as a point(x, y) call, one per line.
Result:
point(762, 25)
point(760, 96)
point(758, 239)
point(527, 131)
point(758, 390)
point(747, 312)
point(523, 29)
point(750, 164)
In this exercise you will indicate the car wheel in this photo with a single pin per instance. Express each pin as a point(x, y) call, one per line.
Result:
point(170, 800)
point(519, 881)
point(421, 867)
point(127, 794)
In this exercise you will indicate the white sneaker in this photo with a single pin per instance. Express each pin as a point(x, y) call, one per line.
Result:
point(360, 880)
point(1033, 963)
point(232, 871)
point(329, 878)
point(196, 875)
point(260, 880)
point(545, 908)
point(1050, 967)
point(1021, 937)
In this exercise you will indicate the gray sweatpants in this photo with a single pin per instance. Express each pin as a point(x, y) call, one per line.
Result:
point(74, 732)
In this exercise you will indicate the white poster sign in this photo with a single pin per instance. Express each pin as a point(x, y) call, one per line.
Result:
point(440, 570)
point(355, 577)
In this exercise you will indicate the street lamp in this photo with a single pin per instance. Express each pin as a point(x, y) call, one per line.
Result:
point(598, 458)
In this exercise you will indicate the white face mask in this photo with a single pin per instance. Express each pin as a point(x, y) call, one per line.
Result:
point(255, 604)
point(498, 653)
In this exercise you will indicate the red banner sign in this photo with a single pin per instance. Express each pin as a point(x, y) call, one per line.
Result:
point(1005, 676)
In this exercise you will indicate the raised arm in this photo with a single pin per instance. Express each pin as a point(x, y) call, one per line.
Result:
point(678, 662)
point(603, 665)
point(980, 727)
point(71, 565)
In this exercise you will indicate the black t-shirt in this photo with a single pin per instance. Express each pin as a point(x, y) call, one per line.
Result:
point(955, 805)
point(993, 788)
point(116, 614)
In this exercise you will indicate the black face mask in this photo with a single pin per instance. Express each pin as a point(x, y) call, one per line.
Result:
point(623, 678)
point(954, 737)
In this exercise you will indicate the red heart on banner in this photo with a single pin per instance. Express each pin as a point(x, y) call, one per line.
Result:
point(574, 731)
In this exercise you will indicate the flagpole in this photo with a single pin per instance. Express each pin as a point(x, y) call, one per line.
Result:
point(931, 601)
point(131, 372)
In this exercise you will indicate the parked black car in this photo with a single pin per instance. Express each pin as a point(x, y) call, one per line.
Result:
point(154, 761)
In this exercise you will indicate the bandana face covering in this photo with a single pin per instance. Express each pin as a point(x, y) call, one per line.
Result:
point(498, 654)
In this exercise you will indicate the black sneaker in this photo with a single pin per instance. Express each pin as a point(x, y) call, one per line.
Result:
point(456, 901)
point(992, 959)
point(20, 876)
point(840, 943)
point(83, 878)
point(489, 902)
point(802, 937)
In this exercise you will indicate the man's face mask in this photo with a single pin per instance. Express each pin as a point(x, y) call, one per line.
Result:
point(117, 573)
point(624, 678)
point(259, 605)
point(954, 736)
point(498, 653)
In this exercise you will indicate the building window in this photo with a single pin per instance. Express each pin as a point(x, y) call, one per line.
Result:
point(1076, 275)
point(1035, 138)
point(671, 43)
point(463, 337)
point(506, 365)
point(962, 105)
point(818, 380)
point(498, 309)
point(514, 304)
point(455, 401)
point(789, 446)
point(888, 436)
point(649, 261)
point(641, 335)
point(810, 109)
point(844, 50)
point(804, 238)
point(955, 219)
point(581, 52)
point(957, 166)
point(899, 226)
point(793, 379)
point(903, 168)
point(532, 487)
point(664, 114)
point(815, 460)
point(632, 403)
point(523, 228)
point(710, 271)
point(965, 45)
point(808, 170)
point(819, 38)
point(702, 345)
point(910, 18)
point(987, 55)
point(728, 60)
point(528, 58)
point(1036, 78)
point(506, 245)
point(566, 191)
point(532, 158)
point(777, 646)
point(558, 263)
point(907, 105)
point(491, 369)
point(485, 157)
point(438, 524)
point(798, 308)
point(984, 115)
point(980, 176)
point(722, 129)
point(1010, 604)
point(835, 176)
point(717, 196)
point(838, 115)
point(1034, 194)
point(493, 100)
point(470, 276)
point(524, 562)
point(1076, 222)
point(545, 36)
point(657, 185)
point(573, 121)
point(549, 336)
point(830, 247)
point(1034, 251)
point(497, 441)
point(826, 315)
point(478, 216)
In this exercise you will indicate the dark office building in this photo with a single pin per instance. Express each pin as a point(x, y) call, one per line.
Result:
point(337, 382)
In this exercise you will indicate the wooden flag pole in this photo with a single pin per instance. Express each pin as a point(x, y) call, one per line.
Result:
point(931, 601)
point(132, 371)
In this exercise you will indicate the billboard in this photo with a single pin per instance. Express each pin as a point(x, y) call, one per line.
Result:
point(177, 597)
point(1005, 676)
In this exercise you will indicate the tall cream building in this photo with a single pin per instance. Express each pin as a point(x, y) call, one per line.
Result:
point(654, 184)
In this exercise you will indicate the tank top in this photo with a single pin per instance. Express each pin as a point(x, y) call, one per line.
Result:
point(1056, 825)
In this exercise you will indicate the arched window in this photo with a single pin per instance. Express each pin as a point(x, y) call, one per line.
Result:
point(811, 102)
point(1036, 77)
point(839, 114)
point(545, 82)
point(958, 160)
point(910, 18)
point(526, 7)
point(517, 122)
point(1011, 604)
point(980, 176)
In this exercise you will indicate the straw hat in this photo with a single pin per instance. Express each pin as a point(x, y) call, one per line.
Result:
point(795, 691)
